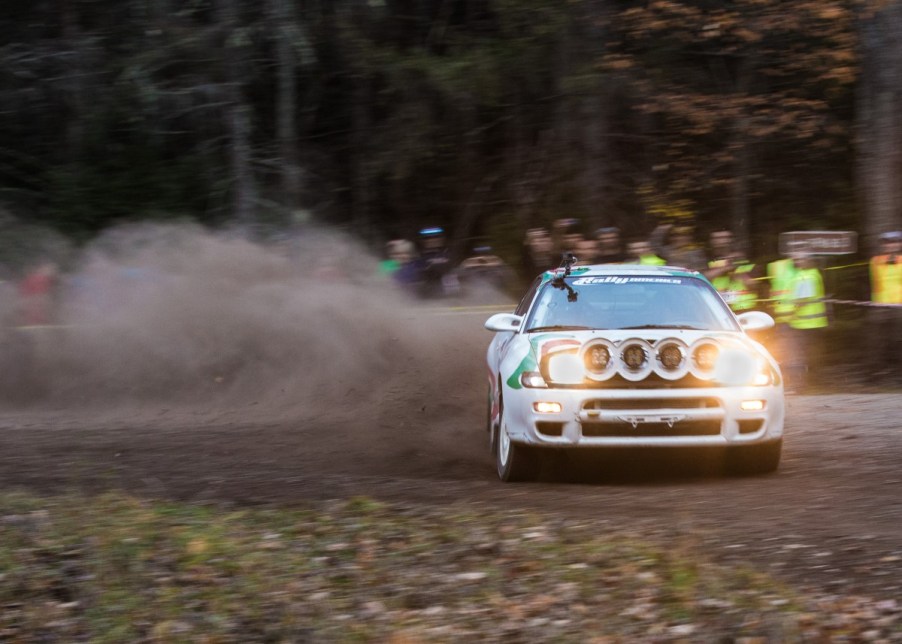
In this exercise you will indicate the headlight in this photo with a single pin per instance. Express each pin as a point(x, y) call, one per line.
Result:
point(635, 359)
point(739, 366)
point(672, 359)
point(566, 368)
point(598, 359)
point(555, 364)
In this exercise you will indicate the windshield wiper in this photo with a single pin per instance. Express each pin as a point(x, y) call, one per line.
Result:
point(560, 327)
point(688, 327)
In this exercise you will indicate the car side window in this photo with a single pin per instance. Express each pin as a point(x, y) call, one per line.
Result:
point(523, 306)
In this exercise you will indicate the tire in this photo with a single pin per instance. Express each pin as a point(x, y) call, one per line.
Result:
point(513, 462)
point(755, 459)
point(489, 426)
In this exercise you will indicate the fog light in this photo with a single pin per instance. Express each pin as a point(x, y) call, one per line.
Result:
point(751, 405)
point(547, 407)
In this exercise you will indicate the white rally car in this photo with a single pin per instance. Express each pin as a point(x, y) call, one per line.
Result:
point(630, 356)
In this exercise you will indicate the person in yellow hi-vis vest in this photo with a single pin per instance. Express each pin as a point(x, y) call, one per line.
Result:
point(734, 281)
point(886, 320)
point(779, 279)
point(806, 321)
point(730, 273)
point(779, 274)
point(640, 252)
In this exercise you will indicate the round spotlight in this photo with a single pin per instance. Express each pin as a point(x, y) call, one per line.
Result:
point(635, 359)
point(706, 357)
point(671, 356)
point(704, 354)
point(672, 363)
point(598, 359)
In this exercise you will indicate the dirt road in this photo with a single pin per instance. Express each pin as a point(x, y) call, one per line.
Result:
point(831, 517)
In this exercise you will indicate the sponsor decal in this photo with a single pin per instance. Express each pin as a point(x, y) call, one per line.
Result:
point(617, 279)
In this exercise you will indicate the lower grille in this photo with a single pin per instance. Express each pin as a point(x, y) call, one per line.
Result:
point(750, 426)
point(642, 430)
point(549, 428)
point(707, 402)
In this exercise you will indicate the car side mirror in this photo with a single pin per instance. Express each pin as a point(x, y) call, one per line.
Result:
point(504, 322)
point(755, 321)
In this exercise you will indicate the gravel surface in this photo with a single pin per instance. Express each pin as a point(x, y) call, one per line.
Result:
point(829, 518)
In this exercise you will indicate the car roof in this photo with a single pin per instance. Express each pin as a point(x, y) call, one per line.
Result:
point(594, 270)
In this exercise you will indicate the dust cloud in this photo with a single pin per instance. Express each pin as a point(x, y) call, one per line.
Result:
point(185, 316)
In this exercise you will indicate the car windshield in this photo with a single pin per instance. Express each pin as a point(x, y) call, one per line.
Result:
point(630, 302)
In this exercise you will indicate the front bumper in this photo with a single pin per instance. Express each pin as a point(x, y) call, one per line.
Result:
point(647, 418)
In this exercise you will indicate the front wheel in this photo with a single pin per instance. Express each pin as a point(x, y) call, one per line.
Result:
point(514, 462)
point(489, 425)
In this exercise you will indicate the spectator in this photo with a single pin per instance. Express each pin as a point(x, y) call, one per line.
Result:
point(398, 253)
point(806, 324)
point(640, 252)
point(886, 289)
point(36, 293)
point(779, 274)
point(433, 268)
point(538, 253)
point(610, 249)
point(586, 252)
point(484, 268)
point(565, 235)
point(730, 273)
point(722, 252)
point(680, 249)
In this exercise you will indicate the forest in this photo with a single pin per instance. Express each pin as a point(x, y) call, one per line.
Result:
point(486, 117)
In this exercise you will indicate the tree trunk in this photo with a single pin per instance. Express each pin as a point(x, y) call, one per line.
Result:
point(238, 118)
point(739, 189)
point(75, 130)
point(243, 185)
point(879, 124)
point(740, 212)
point(360, 162)
point(593, 118)
point(290, 176)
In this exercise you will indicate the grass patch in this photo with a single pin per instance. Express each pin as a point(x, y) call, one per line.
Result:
point(117, 568)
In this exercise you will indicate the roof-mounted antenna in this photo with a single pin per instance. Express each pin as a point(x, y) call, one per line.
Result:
point(562, 271)
point(567, 262)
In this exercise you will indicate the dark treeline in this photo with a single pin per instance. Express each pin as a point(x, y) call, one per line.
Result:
point(485, 116)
